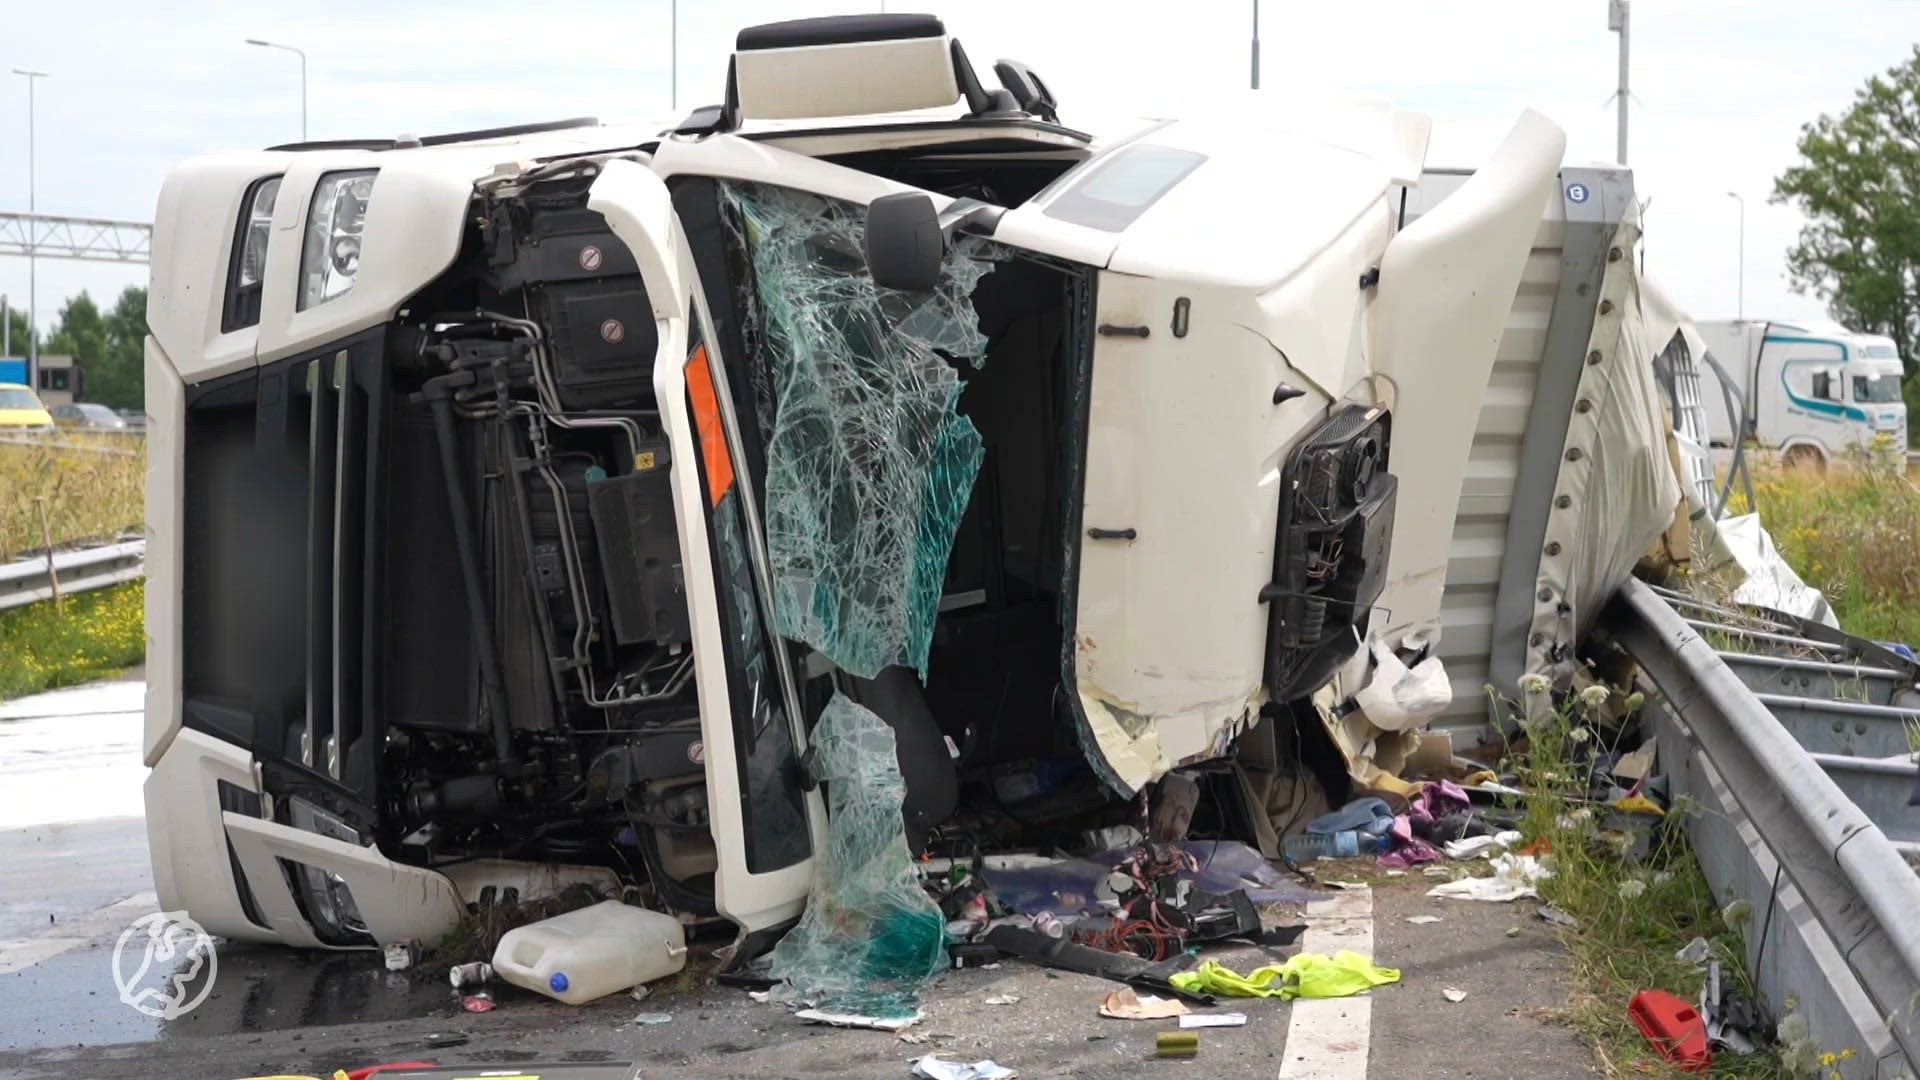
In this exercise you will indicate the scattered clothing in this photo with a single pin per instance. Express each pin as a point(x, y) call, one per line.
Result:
point(1308, 975)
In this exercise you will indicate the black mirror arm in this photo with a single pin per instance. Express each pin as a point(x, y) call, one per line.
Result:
point(969, 216)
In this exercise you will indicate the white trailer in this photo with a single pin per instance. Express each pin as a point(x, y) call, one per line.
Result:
point(1812, 391)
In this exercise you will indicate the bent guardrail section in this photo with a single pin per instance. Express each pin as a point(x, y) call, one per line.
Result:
point(1834, 908)
point(80, 570)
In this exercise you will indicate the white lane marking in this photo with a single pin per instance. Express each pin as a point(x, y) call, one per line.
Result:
point(1327, 1038)
point(79, 931)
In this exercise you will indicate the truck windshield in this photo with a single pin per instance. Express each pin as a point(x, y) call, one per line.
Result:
point(1876, 389)
point(18, 399)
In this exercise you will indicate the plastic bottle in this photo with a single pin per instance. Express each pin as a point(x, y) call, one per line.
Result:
point(592, 952)
point(1346, 844)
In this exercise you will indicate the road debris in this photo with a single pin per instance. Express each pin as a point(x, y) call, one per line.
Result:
point(1454, 994)
point(1213, 1020)
point(649, 1019)
point(402, 956)
point(1557, 917)
point(477, 973)
point(1003, 999)
point(1127, 1005)
point(1176, 1044)
point(1423, 920)
point(834, 1018)
point(1308, 975)
point(932, 1067)
point(585, 955)
point(869, 936)
point(478, 1003)
point(1478, 847)
point(1514, 877)
point(1674, 1029)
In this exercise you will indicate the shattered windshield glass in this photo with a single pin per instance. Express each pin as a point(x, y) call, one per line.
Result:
point(869, 464)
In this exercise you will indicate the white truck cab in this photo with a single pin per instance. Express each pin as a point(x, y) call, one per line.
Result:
point(519, 499)
point(1815, 392)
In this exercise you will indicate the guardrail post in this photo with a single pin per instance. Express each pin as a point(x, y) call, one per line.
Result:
point(46, 538)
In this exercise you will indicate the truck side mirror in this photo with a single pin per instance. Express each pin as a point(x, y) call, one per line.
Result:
point(905, 244)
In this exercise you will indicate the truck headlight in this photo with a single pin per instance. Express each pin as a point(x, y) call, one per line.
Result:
point(330, 255)
point(324, 895)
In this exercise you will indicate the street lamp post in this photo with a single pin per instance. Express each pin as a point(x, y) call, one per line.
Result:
point(33, 281)
point(1256, 44)
point(303, 77)
point(1741, 276)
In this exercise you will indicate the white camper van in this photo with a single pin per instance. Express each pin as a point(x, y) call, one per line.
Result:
point(519, 498)
point(1814, 392)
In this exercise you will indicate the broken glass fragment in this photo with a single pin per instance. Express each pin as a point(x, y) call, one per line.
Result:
point(869, 464)
point(869, 936)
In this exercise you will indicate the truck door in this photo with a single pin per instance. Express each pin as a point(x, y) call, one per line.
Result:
point(766, 825)
point(1806, 383)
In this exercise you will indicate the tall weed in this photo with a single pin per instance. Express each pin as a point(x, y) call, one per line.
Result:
point(93, 487)
point(1854, 534)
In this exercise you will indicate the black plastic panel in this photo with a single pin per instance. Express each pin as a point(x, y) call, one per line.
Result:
point(1330, 558)
point(838, 30)
point(603, 341)
point(640, 554)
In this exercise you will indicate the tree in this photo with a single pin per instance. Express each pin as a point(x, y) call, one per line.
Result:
point(16, 339)
point(118, 379)
point(1858, 183)
point(108, 349)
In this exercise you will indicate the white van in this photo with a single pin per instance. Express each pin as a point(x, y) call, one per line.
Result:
point(519, 498)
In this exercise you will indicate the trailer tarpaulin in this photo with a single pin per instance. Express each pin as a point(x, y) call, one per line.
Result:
point(1617, 491)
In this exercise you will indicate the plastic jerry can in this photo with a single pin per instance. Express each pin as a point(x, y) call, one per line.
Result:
point(592, 952)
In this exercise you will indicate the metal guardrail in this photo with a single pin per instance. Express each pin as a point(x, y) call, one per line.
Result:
point(30, 581)
point(1834, 907)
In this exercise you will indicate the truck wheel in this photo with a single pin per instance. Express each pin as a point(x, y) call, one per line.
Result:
point(1806, 457)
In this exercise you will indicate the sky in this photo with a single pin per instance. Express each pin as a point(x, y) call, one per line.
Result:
point(1720, 89)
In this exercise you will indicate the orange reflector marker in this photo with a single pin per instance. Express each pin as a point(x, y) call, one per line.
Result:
point(706, 417)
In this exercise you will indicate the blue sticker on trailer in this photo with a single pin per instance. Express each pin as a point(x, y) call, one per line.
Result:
point(1577, 193)
point(13, 370)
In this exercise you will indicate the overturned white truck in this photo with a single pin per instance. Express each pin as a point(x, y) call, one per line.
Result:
point(519, 498)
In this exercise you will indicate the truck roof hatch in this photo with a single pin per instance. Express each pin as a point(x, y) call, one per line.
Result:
point(861, 65)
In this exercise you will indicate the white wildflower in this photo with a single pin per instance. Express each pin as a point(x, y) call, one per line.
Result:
point(1632, 889)
point(1580, 734)
point(1531, 683)
point(1581, 813)
point(1595, 696)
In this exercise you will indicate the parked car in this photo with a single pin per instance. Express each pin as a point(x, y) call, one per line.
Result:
point(20, 409)
point(87, 415)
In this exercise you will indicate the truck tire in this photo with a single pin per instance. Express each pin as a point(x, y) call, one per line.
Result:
point(1806, 456)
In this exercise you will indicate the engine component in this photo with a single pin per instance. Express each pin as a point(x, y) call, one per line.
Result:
point(640, 551)
point(462, 797)
point(556, 243)
point(602, 340)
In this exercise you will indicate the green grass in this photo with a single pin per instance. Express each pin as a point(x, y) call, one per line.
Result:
point(90, 486)
point(98, 633)
point(1633, 916)
point(1854, 534)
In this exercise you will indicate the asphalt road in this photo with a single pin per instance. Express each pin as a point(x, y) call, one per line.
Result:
point(75, 873)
